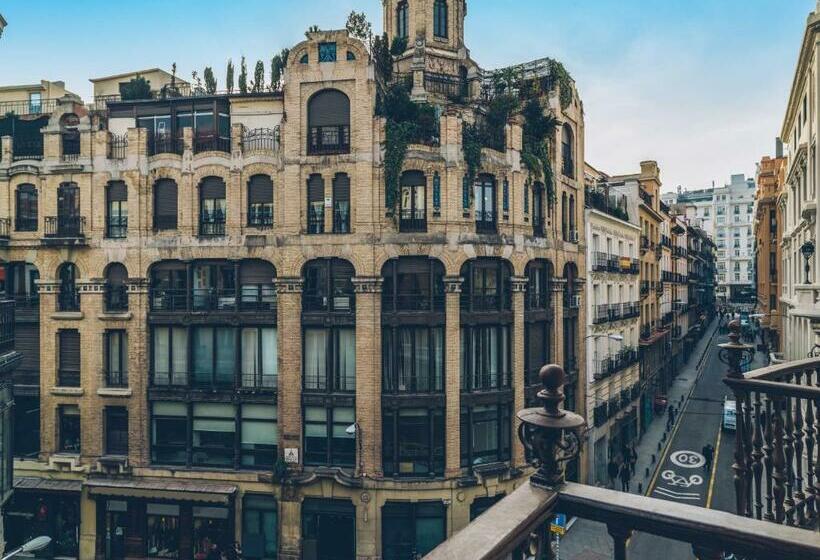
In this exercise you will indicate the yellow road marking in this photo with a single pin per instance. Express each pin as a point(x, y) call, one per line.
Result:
point(714, 468)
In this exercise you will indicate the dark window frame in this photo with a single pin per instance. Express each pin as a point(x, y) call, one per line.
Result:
point(503, 426)
point(63, 419)
point(335, 452)
point(116, 443)
point(333, 381)
point(392, 436)
point(26, 208)
point(116, 375)
point(405, 514)
point(440, 19)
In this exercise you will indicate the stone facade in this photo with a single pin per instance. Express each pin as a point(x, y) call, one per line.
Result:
point(74, 242)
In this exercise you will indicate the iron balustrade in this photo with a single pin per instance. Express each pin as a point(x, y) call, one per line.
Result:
point(5, 227)
point(71, 147)
point(211, 142)
point(249, 298)
point(413, 302)
point(260, 218)
point(412, 220)
point(117, 146)
point(164, 143)
point(116, 298)
point(257, 297)
point(601, 314)
point(600, 262)
point(65, 226)
point(116, 227)
point(666, 241)
point(6, 325)
point(169, 300)
point(444, 84)
point(28, 148)
point(212, 225)
point(213, 299)
point(329, 140)
point(485, 221)
point(169, 379)
point(261, 140)
point(318, 301)
point(30, 107)
point(25, 223)
point(630, 310)
point(644, 287)
point(68, 299)
point(258, 380)
point(645, 197)
point(645, 243)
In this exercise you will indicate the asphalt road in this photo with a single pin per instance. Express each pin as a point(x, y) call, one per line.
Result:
point(683, 478)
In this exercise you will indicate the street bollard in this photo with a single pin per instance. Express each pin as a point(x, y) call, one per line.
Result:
point(659, 446)
point(640, 488)
point(663, 439)
point(653, 458)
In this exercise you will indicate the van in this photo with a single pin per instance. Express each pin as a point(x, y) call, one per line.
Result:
point(729, 414)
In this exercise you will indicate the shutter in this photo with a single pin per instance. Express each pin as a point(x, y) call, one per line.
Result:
point(117, 191)
point(414, 265)
point(316, 188)
point(165, 198)
point(413, 179)
point(70, 350)
point(329, 108)
point(212, 187)
point(27, 342)
point(341, 188)
point(260, 190)
point(256, 273)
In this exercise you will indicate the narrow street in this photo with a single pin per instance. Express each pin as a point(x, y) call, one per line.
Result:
point(682, 476)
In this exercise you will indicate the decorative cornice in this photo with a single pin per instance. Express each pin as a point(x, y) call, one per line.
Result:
point(367, 284)
point(288, 285)
point(519, 283)
point(452, 284)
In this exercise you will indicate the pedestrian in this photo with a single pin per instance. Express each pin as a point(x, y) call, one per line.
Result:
point(625, 476)
point(633, 459)
point(670, 419)
point(708, 454)
point(612, 472)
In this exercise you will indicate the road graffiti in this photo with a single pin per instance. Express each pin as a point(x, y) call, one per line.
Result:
point(687, 459)
point(674, 479)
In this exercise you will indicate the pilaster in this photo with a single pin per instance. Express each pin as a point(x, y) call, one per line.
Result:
point(452, 375)
point(519, 290)
point(289, 319)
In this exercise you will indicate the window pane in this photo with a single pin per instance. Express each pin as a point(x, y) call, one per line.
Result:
point(270, 352)
point(225, 356)
point(422, 355)
point(316, 358)
point(161, 347)
point(203, 355)
point(347, 359)
point(250, 357)
point(180, 342)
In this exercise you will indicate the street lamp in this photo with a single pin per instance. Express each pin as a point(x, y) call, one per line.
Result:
point(37, 543)
point(807, 249)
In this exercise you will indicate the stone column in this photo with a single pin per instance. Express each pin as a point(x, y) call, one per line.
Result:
point(519, 381)
point(138, 361)
point(368, 375)
point(452, 375)
point(289, 324)
point(558, 289)
point(290, 533)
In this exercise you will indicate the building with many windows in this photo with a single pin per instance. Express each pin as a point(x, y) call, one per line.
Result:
point(246, 328)
point(9, 360)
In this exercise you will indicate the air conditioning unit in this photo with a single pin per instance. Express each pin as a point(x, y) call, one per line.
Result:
point(573, 236)
point(575, 302)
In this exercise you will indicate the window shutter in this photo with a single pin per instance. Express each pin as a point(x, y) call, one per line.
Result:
point(256, 273)
point(329, 108)
point(413, 265)
point(27, 342)
point(341, 188)
point(117, 191)
point(70, 350)
point(212, 187)
point(165, 198)
point(413, 179)
point(316, 188)
point(260, 190)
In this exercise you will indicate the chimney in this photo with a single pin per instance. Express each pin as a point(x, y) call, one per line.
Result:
point(778, 143)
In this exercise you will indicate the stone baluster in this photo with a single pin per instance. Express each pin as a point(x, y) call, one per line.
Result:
point(799, 495)
point(620, 535)
point(747, 451)
point(768, 459)
point(788, 453)
point(810, 431)
point(817, 453)
point(757, 457)
point(779, 462)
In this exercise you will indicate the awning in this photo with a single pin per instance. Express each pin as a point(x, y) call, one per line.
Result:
point(162, 489)
point(47, 484)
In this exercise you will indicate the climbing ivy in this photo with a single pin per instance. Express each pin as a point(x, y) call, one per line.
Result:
point(397, 137)
point(471, 140)
point(562, 78)
point(538, 129)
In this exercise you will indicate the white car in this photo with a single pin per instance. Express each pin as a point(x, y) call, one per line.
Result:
point(729, 414)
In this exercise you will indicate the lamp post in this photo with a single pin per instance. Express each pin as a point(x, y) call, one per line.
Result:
point(807, 249)
point(35, 544)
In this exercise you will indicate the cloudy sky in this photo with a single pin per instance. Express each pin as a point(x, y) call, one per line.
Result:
point(698, 85)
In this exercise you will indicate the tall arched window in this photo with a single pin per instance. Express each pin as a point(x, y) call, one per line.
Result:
point(538, 327)
point(568, 151)
point(329, 123)
point(25, 218)
point(212, 207)
point(116, 210)
point(68, 298)
point(572, 227)
point(401, 19)
point(116, 296)
point(165, 204)
point(413, 216)
point(440, 19)
point(260, 202)
point(70, 136)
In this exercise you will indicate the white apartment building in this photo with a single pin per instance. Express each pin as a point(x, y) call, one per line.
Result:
point(613, 381)
point(798, 204)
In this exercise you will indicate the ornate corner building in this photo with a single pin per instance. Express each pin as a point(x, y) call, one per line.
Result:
point(233, 330)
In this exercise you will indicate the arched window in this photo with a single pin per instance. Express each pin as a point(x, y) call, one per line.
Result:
point(538, 317)
point(440, 19)
point(328, 286)
point(165, 204)
point(212, 207)
point(484, 195)
point(25, 218)
point(537, 208)
point(70, 135)
point(116, 294)
point(256, 288)
point(260, 202)
point(68, 298)
point(413, 213)
point(68, 222)
point(402, 19)
point(572, 228)
point(329, 123)
point(568, 151)
point(169, 286)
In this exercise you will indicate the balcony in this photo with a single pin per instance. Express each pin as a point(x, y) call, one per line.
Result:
point(645, 197)
point(667, 318)
point(260, 218)
point(68, 299)
point(30, 107)
point(519, 525)
point(412, 220)
point(485, 221)
point(600, 262)
point(27, 148)
point(646, 244)
point(211, 143)
point(251, 298)
point(666, 241)
point(116, 227)
point(329, 140)
point(212, 225)
point(164, 144)
point(261, 140)
point(64, 230)
point(644, 288)
point(25, 223)
point(444, 84)
point(117, 146)
point(630, 310)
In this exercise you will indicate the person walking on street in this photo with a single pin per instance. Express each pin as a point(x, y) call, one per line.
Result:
point(708, 454)
point(670, 419)
point(633, 458)
point(625, 476)
point(612, 472)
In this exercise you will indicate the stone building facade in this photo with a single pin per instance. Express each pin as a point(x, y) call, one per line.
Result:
point(232, 336)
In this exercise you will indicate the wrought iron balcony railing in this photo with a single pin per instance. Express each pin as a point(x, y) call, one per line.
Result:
point(519, 525)
point(211, 143)
point(65, 226)
point(116, 298)
point(328, 140)
point(260, 140)
point(117, 146)
point(412, 220)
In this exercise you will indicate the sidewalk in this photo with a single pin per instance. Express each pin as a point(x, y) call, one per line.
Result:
point(587, 540)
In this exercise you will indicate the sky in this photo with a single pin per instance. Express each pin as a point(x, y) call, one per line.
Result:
point(700, 86)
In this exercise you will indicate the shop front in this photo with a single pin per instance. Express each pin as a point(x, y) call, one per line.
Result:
point(47, 507)
point(159, 518)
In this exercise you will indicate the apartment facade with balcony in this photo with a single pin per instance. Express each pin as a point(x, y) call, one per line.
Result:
point(613, 324)
point(236, 335)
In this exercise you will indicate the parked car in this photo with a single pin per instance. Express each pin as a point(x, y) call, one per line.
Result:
point(729, 414)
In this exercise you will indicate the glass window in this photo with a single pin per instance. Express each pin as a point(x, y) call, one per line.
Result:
point(169, 433)
point(116, 358)
point(486, 437)
point(214, 432)
point(211, 527)
point(259, 435)
point(411, 530)
point(485, 357)
point(69, 441)
point(413, 359)
point(170, 355)
point(214, 351)
point(413, 442)
point(162, 531)
point(260, 528)
point(440, 19)
point(330, 359)
point(116, 430)
point(327, 52)
point(260, 357)
point(326, 439)
point(26, 215)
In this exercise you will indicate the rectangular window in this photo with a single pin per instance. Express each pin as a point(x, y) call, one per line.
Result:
point(213, 433)
point(413, 359)
point(26, 216)
point(214, 356)
point(116, 358)
point(330, 359)
point(116, 218)
point(169, 433)
point(413, 442)
point(259, 436)
point(116, 430)
point(326, 439)
point(341, 204)
point(170, 356)
point(327, 52)
point(485, 437)
point(485, 357)
point(69, 437)
point(316, 204)
point(260, 353)
point(69, 356)
point(411, 530)
point(260, 528)
point(162, 531)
